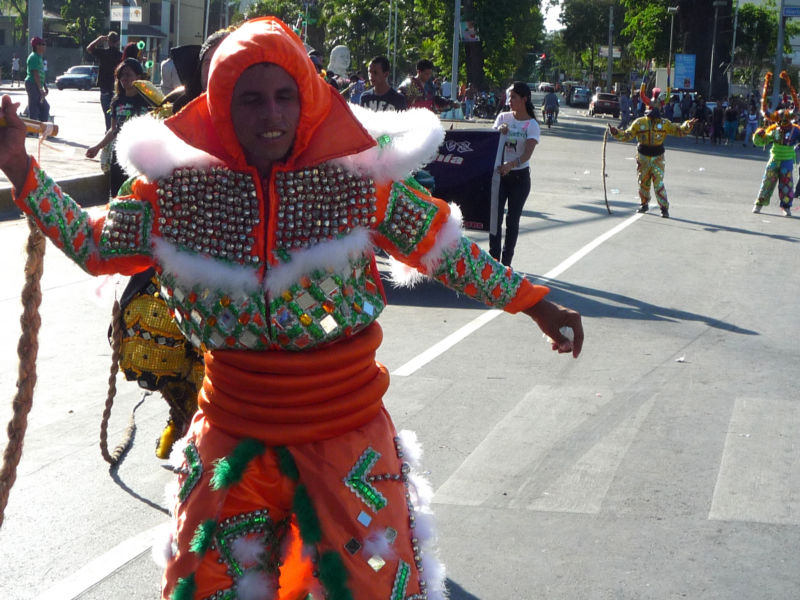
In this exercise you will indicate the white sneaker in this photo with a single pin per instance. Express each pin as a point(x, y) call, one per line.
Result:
point(787, 212)
point(756, 208)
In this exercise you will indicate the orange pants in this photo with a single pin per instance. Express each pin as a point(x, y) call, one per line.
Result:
point(338, 517)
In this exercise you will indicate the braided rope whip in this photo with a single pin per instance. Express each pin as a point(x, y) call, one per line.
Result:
point(27, 350)
point(117, 328)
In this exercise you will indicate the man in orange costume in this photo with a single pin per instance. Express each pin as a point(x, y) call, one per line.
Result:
point(259, 204)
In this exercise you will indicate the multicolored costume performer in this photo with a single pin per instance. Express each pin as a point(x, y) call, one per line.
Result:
point(293, 483)
point(650, 131)
point(784, 135)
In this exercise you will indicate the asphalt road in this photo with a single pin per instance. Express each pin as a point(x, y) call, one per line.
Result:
point(663, 463)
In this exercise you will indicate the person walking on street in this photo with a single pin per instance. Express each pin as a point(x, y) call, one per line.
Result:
point(126, 103)
point(470, 95)
point(381, 96)
point(15, 80)
point(522, 132)
point(106, 50)
point(650, 131)
point(700, 115)
point(35, 82)
point(751, 124)
point(292, 481)
point(784, 135)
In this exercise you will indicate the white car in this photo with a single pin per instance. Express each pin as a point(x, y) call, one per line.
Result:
point(544, 85)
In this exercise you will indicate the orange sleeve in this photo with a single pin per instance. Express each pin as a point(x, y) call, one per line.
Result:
point(111, 240)
point(419, 230)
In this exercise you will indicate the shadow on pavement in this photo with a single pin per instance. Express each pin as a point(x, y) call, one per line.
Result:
point(459, 593)
point(591, 302)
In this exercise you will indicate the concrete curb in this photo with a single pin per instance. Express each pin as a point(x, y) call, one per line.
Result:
point(86, 190)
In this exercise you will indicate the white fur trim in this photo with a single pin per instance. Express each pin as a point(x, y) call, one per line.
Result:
point(248, 550)
point(331, 255)
point(191, 269)
point(146, 146)
point(412, 449)
point(416, 135)
point(377, 543)
point(403, 275)
point(255, 585)
point(420, 493)
point(162, 550)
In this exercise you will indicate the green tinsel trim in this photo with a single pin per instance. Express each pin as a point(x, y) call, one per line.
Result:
point(307, 519)
point(229, 470)
point(184, 589)
point(333, 576)
point(286, 463)
point(203, 536)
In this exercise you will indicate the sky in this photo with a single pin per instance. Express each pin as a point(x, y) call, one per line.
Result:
point(551, 18)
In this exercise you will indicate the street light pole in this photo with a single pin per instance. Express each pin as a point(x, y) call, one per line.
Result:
point(717, 5)
point(610, 46)
point(671, 10)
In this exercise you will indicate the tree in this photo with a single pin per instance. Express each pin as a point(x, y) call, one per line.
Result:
point(586, 28)
point(84, 19)
point(20, 8)
point(756, 39)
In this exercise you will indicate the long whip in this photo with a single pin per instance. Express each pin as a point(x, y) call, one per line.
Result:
point(27, 350)
point(605, 193)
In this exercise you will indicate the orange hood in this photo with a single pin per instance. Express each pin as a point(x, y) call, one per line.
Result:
point(205, 123)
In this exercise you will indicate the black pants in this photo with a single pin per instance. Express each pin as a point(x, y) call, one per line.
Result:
point(514, 189)
point(38, 108)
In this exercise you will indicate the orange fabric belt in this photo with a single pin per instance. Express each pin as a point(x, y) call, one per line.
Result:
point(289, 398)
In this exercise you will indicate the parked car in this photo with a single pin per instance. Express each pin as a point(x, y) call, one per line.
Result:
point(82, 77)
point(580, 97)
point(604, 104)
point(544, 85)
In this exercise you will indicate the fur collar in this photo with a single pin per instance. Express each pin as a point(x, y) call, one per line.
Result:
point(146, 146)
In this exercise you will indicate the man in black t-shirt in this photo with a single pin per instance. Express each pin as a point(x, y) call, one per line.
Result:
point(106, 50)
point(381, 96)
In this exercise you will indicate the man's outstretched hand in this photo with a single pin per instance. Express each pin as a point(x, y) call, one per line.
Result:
point(551, 318)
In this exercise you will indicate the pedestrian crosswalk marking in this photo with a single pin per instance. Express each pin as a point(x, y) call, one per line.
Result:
point(759, 475)
point(545, 455)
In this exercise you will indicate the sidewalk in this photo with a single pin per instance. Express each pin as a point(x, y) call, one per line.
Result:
point(62, 158)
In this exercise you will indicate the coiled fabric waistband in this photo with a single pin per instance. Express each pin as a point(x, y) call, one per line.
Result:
point(288, 398)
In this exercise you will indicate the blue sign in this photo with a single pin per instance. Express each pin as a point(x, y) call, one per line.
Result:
point(465, 172)
point(684, 71)
point(791, 11)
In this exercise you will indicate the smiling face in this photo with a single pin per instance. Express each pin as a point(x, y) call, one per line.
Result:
point(265, 110)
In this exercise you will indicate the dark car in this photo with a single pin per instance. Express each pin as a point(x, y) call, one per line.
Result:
point(604, 104)
point(82, 77)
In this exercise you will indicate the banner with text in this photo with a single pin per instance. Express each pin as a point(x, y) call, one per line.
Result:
point(465, 172)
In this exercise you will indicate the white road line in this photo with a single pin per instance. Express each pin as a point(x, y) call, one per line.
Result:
point(101, 567)
point(451, 340)
point(759, 476)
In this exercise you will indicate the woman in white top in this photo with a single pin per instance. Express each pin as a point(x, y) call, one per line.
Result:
point(522, 131)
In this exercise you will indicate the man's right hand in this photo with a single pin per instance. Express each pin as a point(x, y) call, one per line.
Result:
point(13, 157)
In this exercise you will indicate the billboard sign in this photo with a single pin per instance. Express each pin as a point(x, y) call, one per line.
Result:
point(684, 71)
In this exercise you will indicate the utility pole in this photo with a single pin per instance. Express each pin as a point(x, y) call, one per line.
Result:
point(610, 88)
point(671, 10)
point(717, 4)
point(456, 37)
point(733, 46)
point(776, 81)
point(35, 9)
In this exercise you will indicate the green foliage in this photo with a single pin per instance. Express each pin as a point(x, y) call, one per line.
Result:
point(84, 19)
point(509, 30)
point(756, 39)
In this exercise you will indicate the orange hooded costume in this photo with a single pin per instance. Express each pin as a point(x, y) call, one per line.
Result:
point(293, 483)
